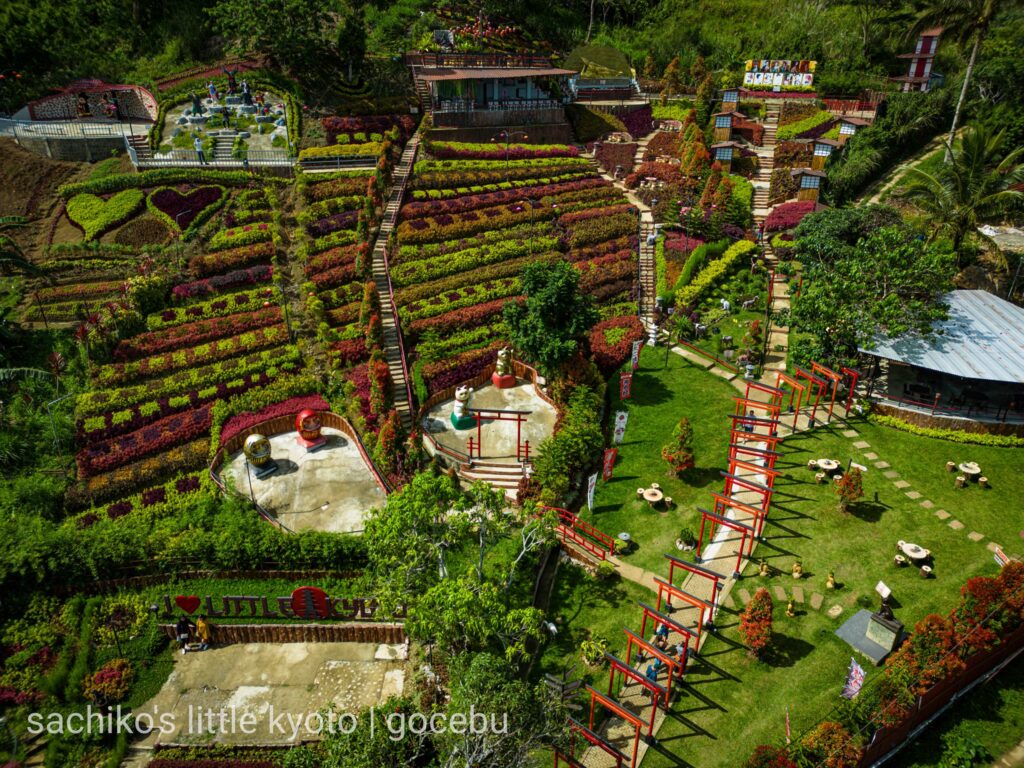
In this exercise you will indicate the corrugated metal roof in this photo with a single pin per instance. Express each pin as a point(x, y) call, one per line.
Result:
point(982, 338)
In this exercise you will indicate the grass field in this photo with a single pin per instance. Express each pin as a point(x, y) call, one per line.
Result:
point(733, 702)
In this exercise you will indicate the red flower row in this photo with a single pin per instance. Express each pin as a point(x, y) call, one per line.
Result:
point(335, 257)
point(335, 276)
point(470, 202)
point(610, 355)
point(455, 150)
point(459, 319)
point(190, 334)
point(459, 368)
point(350, 351)
point(595, 213)
point(788, 215)
point(220, 283)
point(241, 422)
point(232, 258)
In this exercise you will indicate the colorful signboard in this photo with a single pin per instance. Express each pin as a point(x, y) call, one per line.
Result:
point(625, 386)
point(621, 417)
point(779, 73)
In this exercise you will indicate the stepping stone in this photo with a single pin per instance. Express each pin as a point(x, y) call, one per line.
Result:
point(992, 546)
point(913, 494)
point(975, 536)
point(891, 474)
point(780, 593)
point(743, 595)
point(727, 602)
point(901, 484)
point(871, 456)
point(862, 444)
point(927, 504)
point(834, 611)
point(942, 514)
point(817, 600)
point(798, 594)
point(882, 465)
point(850, 433)
point(956, 525)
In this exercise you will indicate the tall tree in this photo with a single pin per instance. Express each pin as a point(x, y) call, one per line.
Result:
point(291, 31)
point(548, 326)
point(976, 184)
point(967, 22)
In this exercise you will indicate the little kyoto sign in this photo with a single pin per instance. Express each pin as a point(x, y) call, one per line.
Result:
point(303, 603)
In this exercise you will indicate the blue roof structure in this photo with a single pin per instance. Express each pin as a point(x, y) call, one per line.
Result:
point(982, 338)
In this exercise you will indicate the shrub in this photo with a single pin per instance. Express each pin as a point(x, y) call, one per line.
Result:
point(713, 273)
point(788, 215)
point(806, 125)
point(952, 435)
point(496, 151)
point(185, 212)
point(96, 215)
point(756, 623)
point(769, 757)
point(678, 453)
point(611, 341)
point(589, 124)
point(849, 489)
point(832, 746)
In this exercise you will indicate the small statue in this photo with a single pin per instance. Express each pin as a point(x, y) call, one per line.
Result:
point(831, 583)
point(257, 454)
point(504, 377)
point(798, 570)
point(197, 104)
point(885, 612)
point(790, 610)
point(461, 419)
point(308, 425)
point(763, 569)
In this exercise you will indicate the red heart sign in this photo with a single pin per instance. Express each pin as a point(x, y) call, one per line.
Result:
point(189, 604)
point(181, 209)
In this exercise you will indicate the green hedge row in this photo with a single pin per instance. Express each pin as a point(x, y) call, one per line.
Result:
point(156, 178)
point(952, 435)
point(714, 272)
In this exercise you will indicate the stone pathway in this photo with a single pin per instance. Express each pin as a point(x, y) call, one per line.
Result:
point(1012, 759)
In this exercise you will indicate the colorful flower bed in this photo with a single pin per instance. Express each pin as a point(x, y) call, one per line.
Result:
point(220, 283)
point(788, 215)
point(496, 151)
point(611, 341)
point(185, 210)
point(214, 263)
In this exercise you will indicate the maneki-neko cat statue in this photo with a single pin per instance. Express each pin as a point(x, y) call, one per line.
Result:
point(461, 418)
point(504, 377)
point(257, 455)
point(308, 425)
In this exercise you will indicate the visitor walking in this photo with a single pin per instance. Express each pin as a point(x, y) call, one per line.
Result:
point(748, 426)
point(182, 632)
point(198, 144)
point(760, 232)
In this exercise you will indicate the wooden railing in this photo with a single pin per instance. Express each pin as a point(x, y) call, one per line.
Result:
point(478, 60)
point(583, 534)
point(704, 353)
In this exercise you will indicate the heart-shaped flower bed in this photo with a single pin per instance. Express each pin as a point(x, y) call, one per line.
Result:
point(95, 215)
point(185, 212)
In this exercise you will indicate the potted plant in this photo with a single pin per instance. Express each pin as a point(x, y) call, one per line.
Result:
point(686, 541)
point(592, 650)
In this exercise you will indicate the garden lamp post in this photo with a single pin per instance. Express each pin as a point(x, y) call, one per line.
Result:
point(507, 137)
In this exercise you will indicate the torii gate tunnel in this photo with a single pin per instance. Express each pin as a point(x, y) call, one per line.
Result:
point(748, 533)
point(715, 578)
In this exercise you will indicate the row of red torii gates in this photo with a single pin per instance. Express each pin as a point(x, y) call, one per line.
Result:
point(754, 438)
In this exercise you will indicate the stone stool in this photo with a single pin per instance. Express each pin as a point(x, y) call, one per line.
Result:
point(655, 486)
point(926, 571)
point(812, 464)
point(983, 482)
point(640, 492)
point(820, 478)
point(900, 561)
point(668, 502)
point(950, 466)
point(960, 481)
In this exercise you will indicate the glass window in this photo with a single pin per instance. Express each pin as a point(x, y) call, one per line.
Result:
point(809, 182)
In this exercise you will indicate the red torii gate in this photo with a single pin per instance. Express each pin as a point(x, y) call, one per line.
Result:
point(592, 738)
point(732, 480)
point(724, 503)
point(768, 456)
point(522, 451)
point(675, 666)
point(832, 376)
point(686, 597)
point(798, 389)
point(743, 403)
point(854, 378)
point(770, 473)
point(660, 618)
point(812, 382)
point(705, 573)
point(657, 691)
point(775, 393)
point(618, 710)
point(747, 531)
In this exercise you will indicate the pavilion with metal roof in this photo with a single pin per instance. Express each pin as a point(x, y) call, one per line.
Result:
point(972, 361)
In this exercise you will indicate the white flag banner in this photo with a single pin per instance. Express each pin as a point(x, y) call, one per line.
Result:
point(621, 417)
point(854, 680)
point(591, 487)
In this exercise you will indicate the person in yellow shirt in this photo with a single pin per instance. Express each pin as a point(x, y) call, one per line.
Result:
point(204, 632)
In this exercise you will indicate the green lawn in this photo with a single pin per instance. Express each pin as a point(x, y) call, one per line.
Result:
point(733, 702)
point(661, 396)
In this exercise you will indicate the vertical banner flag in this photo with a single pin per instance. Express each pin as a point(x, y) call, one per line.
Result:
point(591, 486)
point(625, 386)
point(854, 680)
point(609, 463)
point(788, 733)
point(620, 426)
point(635, 359)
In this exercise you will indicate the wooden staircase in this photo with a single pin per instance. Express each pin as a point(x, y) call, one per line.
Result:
point(648, 271)
point(141, 146)
point(394, 350)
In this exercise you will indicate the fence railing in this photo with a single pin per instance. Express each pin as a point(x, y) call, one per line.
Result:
point(583, 534)
point(188, 158)
point(68, 129)
point(501, 105)
point(366, 632)
point(704, 353)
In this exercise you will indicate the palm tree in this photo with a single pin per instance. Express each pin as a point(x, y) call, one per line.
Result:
point(966, 21)
point(12, 258)
point(975, 186)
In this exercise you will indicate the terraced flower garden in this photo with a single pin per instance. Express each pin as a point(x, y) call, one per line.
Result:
point(474, 222)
